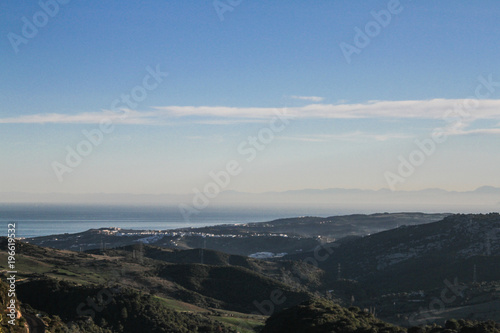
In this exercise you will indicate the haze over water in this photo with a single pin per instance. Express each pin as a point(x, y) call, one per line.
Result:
point(42, 220)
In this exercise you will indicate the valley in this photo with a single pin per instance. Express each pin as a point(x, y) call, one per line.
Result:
point(419, 269)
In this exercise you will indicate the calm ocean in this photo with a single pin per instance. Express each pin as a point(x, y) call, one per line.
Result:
point(42, 220)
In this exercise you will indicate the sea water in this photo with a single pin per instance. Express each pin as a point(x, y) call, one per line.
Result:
point(42, 220)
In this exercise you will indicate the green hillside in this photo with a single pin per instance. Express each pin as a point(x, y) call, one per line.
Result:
point(326, 317)
point(114, 308)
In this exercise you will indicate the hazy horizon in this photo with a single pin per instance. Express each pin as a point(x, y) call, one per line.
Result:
point(292, 203)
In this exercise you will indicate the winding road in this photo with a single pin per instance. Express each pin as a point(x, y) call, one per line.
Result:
point(35, 324)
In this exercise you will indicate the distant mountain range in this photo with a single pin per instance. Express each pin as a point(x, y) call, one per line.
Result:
point(483, 199)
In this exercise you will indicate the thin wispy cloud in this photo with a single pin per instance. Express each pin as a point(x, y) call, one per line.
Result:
point(439, 109)
point(349, 136)
point(462, 127)
point(484, 131)
point(229, 121)
point(123, 117)
point(315, 99)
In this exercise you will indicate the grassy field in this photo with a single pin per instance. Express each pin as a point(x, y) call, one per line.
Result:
point(244, 323)
point(180, 306)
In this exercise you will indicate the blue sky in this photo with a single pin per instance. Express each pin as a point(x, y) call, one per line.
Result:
point(348, 122)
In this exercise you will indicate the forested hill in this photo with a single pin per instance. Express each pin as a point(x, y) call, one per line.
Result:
point(326, 317)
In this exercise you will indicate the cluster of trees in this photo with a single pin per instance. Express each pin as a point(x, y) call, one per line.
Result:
point(459, 326)
point(321, 316)
point(96, 309)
